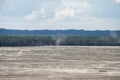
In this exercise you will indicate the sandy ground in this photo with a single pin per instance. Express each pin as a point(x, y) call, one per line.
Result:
point(60, 63)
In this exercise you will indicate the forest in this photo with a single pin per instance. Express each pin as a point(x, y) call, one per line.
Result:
point(7, 40)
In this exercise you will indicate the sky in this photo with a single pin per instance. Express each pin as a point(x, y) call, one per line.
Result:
point(60, 14)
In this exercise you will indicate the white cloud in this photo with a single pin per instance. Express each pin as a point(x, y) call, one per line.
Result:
point(79, 4)
point(36, 14)
point(31, 16)
point(42, 12)
point(63, 13)
point(118, 1)
point(72, 8)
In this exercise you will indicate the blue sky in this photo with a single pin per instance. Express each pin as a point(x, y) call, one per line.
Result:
point(60, 14)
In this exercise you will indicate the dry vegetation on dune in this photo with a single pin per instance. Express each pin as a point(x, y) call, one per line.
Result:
point(60, 63)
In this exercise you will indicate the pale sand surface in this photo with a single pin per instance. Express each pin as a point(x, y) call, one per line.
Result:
point(60, 63)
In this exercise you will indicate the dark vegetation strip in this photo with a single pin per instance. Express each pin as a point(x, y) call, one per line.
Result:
point(58, 40)
point(69, 32)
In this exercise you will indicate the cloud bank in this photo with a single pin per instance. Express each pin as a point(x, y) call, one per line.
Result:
point(60, 14)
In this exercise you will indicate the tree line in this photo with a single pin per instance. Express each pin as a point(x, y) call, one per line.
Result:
point(69, 32)
point(59, 40)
